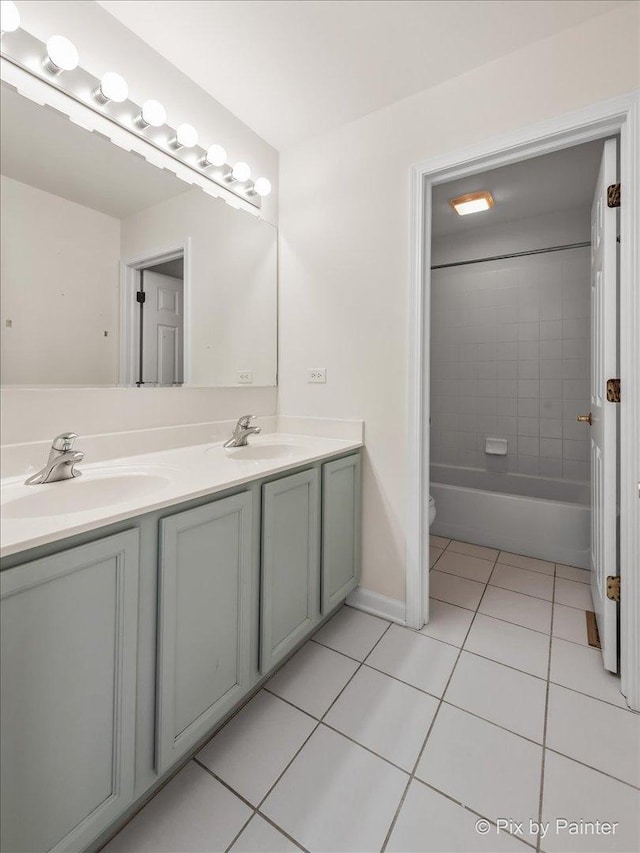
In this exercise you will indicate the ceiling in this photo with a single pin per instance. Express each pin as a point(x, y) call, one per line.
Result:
point(293, 69)
point(77, 165)
point(564, 180)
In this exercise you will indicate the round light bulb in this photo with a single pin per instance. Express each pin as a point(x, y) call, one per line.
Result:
point(262, 186)
point(61, 55)
point(241, 172)
point(186, 136)
point(9, 16)
point(153, 113)
point(113, 87)
point(215, 156)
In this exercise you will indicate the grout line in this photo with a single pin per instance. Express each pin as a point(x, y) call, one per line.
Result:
point(546, 718)
point(591, 767)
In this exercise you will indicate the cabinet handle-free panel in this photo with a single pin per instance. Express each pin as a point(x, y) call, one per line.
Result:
point(203, 627)
point(290, 563)
point(340, 529)
point(69, 635)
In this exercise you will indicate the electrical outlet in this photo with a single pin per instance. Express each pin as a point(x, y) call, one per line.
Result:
point(316, 374)
point(245, 377)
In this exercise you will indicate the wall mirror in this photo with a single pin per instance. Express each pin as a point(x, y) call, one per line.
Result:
point(116, 272)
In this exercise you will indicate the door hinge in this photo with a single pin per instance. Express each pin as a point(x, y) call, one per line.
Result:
point(613, 587)
point(613, 195)
point(141, 296)
point(613, 390)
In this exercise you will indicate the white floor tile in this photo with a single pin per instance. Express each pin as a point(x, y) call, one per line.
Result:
point(490, 770)
point(510, 644)
point(573, 574)
point(530, 563)
point(576, 793)
point(580, 668)
point(523, 580)
point(430, 823)
point(312, 679)
point(414, 658)
point(465, 566)
point(260, 837)
point(434, 555)
point(438, 541)
point(514, 607)
point(501, 695)
point(474, 550)
point(595, 733)
point(573, 594)
point(386, 716)
point(336, 796)
point(253, 749)
point(352, 632)
point(570, 624)
point(454, 589)
point(194, 813)
point(447, 622)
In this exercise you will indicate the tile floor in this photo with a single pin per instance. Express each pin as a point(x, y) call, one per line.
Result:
point(375, 737)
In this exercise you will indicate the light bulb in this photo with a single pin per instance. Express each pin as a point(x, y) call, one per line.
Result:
point(9, 17)
point(61, 55)
point(186, 137)
point(112, 87)
point(153, 114)
point(241, 172)
point(262, 186)
point(215, 156)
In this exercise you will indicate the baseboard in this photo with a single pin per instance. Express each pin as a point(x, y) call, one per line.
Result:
point(378, 605)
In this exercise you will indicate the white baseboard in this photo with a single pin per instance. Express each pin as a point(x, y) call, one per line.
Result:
point(378, 605)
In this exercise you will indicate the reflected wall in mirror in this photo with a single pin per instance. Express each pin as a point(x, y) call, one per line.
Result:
point(116, 272)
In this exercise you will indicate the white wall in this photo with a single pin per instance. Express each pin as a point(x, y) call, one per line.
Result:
point(345, 245)
point(60, 286)
point(510, 349)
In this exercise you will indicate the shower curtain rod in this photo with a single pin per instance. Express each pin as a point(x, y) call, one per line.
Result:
point(512, 255)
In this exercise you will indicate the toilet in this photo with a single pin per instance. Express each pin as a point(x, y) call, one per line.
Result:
point(432, 510)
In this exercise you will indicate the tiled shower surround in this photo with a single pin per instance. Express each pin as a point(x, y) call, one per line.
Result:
point(510, 359)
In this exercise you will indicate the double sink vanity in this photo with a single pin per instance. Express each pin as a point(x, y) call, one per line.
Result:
point(143, 601)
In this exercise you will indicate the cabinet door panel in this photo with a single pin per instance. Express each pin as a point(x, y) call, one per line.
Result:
point(203, 632)
point(290, 563)
point(340, 529)
point(69, 625)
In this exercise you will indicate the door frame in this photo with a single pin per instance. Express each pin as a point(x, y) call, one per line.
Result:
point(620, 115)
point(129, 328)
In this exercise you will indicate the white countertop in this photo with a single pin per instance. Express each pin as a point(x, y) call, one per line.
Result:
point(131, 486)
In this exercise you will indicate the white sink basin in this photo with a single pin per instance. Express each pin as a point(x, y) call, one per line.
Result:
point(265, 451)
point(90, 491)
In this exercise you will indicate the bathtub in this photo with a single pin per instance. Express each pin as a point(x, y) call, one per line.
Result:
point(537, 516)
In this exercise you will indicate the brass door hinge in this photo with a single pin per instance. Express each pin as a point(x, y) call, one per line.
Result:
point(613, 195)
point(613, 390)
point(613, 587)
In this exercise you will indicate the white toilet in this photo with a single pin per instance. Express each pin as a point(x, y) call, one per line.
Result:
point(432, 510)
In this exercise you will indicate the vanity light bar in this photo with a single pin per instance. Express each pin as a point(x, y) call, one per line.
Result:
point(109, 96)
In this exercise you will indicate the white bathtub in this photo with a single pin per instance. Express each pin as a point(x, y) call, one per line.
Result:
point(536, 516)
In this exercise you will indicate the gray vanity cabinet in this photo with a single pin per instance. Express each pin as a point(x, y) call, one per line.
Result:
point(204, 614)
point(340, 530)
point(68, 647)
point(290, 596)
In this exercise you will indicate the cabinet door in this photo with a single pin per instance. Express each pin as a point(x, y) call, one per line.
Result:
point(290, 563)
point(340, 529)
point(204, 613)
point(69, 625)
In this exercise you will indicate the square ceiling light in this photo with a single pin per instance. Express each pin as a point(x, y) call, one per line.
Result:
point(472, 202)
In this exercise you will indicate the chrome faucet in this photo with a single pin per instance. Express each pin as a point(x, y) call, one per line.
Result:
point(242, 432)
point(61, 463)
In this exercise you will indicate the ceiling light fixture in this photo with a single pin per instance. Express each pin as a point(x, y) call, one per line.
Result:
point(9, 17)
point(112, 87)
point(153, 114)
point(472, 202)
point(215, 156)
point(186, 137)
point(61, 55)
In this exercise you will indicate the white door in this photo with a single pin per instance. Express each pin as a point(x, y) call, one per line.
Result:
point(162, 330)
point(603, 413)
